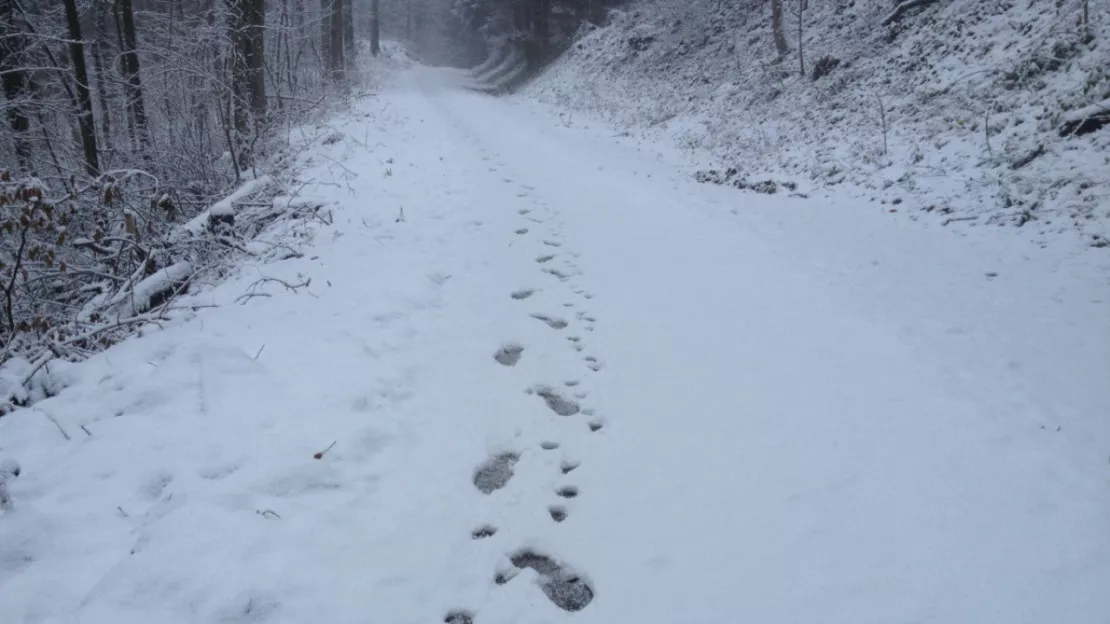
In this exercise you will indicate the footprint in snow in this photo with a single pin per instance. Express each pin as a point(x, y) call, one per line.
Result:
point(483, 532)
point(549, 446)
point(557, 402)
point(550, 243)
point(523, 293)
point(558, 513)
point(522, 231)
point(552, 322)
point(495, 473)
point(596, 425)
point(547, 258)
point(568, 466)
point(508, 355)
point(561, 585)
point(562, 275)
point(459, 617)
point(567, 491)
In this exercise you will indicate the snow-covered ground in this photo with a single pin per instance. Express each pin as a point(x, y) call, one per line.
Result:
point(740, 408)
point(953, 111)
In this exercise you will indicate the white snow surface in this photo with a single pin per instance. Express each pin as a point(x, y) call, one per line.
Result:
point(809, 412)
point(955, 110)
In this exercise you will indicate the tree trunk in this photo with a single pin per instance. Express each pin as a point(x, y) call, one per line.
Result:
point(375, 27)
point(14, 79)
point(101, 69)
point(256, 57)
point(802, 6)
point(336, 61)
point(129, 62)
point(349, 30)
point(776, 26)
point(84, 100)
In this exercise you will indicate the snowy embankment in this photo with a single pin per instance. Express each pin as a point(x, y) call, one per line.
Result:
point(525, 373)
point(965, 113)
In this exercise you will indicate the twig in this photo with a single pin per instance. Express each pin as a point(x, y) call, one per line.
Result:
point(951, 219)
point(321, 454)
point(64, 434)
point(86, 430)
point(259, 351)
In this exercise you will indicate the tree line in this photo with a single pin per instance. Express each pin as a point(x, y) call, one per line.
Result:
point(121, 119)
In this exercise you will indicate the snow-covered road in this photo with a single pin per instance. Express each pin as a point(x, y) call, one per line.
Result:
point(570, 384)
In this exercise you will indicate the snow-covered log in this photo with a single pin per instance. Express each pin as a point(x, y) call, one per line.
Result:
point(896, 14)
point(152, 290)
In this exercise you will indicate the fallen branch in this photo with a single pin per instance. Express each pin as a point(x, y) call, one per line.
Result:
point(896, 14)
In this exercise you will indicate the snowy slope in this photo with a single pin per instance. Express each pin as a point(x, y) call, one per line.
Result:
point(953, 111)
point(737, 407)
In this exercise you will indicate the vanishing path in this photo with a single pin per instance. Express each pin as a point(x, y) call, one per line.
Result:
point(809, 418)
point(566, 383)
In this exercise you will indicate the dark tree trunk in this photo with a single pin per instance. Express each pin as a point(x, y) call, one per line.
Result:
point(129, 62)
point(247, 25)
point(349, 30)
point(376, 27)
point(101, 69)
point(14, 79)
point(84, 100)
point(777, 30)
point(336, 61)
point(256, 57)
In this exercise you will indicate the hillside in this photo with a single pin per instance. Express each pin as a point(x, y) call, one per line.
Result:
point(981, 113)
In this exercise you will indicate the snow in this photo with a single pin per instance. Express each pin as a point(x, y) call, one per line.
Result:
point(932, 112)
point(749, 408)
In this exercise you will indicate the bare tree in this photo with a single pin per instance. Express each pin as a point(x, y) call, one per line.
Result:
point(14, 80)
point(129, 62)
point(776, 27)
point(334, 20)
point(800, 14)
point(84, 100)
point(349, 30)
point(375, 26)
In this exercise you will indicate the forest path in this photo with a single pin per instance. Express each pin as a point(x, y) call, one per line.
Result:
point(566, 383)
point(807, 417)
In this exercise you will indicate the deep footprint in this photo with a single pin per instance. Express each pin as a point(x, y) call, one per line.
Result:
point(564, 588)
point(568, 467)
point(558, 514)
point(459, 617)
point(567, 491)
point(557, 403)
point(523, 294)
point(552, 322)
point(495, 473)
point(508, 355)
point(483, 532)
